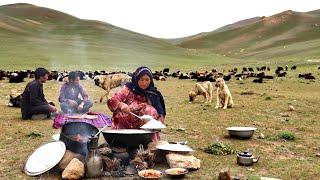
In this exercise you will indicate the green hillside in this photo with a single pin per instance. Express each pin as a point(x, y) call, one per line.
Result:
point(36, 36)
point(282, 32)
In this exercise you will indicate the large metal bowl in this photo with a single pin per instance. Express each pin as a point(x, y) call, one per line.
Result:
point(241, 132)
point(128, 138)
point(82, 129)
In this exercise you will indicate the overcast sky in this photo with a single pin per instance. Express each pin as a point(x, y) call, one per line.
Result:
point(171, 18)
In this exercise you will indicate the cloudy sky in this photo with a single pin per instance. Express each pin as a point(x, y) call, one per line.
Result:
point(171, 18)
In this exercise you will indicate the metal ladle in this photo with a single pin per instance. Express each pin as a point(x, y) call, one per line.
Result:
point(100, 130)
point(141, 117)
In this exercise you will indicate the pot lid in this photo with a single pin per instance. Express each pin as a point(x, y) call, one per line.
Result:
point(175, 147)
point(245, 154)
point(44, 158)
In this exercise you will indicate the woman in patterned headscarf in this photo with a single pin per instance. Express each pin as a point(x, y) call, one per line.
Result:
point(140, 97)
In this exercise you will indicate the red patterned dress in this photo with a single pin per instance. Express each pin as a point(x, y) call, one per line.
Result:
point(122, 120)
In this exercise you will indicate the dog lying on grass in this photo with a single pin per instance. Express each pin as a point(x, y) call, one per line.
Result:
point(205, 89)
point(224, 98)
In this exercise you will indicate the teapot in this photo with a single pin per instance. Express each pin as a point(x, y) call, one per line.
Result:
point(93, 161)
point(246, 159)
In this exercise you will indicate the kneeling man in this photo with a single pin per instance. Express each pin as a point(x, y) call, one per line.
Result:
point(33, 103)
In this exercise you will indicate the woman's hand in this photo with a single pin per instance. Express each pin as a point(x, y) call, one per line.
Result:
point(132, 108)
point(124, 108)
point(161, 118)
point(137, 108)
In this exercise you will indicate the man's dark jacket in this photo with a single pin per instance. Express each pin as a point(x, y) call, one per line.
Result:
point(32, 97)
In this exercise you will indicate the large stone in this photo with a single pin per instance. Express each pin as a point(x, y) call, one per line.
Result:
point(68, 156)
point(74, 170)
point(183, 161)
point(291, 108)
point(224, 174)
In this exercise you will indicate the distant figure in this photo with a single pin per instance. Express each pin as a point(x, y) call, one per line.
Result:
point(33, 103)
point(73, 97)
point(294, 67)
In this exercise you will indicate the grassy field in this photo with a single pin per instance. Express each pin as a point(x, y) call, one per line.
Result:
point(63, 53)
point(266, 108)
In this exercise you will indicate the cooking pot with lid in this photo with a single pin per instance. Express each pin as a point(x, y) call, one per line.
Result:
point(246, 159)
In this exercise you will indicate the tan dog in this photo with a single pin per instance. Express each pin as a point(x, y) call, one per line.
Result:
point(224, 98)
point(205, 89)
point(108, 82)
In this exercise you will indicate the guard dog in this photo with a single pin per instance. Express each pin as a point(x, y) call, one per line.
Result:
point(108, 82)
point(224, 98)
point(205, 89)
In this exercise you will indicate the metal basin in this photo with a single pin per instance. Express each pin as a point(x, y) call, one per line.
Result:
point(128, 138)
point(70, 133)
point(241, 132)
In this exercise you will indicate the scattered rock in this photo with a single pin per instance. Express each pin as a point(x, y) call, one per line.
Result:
point(318, 155)
point(291, 108)
point(105, 151)
point(268, 178)
point(225, 174)
point(183, 161)
point(181, 129)
point(284, 119)
point(68, 156)
point(194, 130)
point(34, 135)
point(268, 98)
point(74, 170)
point(247, 93)
point(284, 115)
point(261, 136)
point(250, 169)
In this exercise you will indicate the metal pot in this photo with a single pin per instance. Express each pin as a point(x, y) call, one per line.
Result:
point(246, 159)
point(81, 129)
point(241, 132)
point(128, 138)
